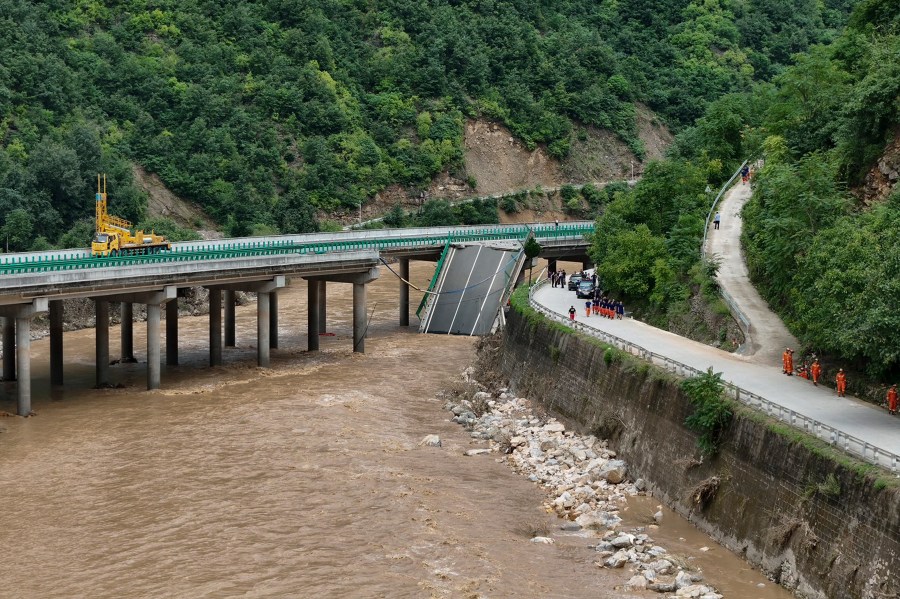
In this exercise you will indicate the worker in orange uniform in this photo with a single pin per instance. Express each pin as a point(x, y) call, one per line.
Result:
point(790, 362)
point(841, 381)
point(892, 399)
point(784, 360)
point(816, 371)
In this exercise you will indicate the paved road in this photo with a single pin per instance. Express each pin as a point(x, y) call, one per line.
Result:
point(768, 336)
point(848, 415)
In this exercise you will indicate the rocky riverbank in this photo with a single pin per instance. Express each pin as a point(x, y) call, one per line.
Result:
point(585, 483)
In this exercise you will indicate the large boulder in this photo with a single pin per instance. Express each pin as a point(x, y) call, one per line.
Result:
point(430, 441)
point(614, 471)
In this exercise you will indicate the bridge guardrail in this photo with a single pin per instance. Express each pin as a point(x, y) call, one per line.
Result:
point(314, 243)
point(850, 444)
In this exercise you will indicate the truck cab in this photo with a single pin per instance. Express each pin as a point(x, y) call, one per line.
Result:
point(105, 244)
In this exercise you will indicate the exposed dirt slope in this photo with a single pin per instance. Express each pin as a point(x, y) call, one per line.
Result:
point(164, 203)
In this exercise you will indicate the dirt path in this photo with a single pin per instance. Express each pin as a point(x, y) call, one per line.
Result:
point(768, 336)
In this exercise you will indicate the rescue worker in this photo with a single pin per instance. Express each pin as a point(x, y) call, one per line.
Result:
point(841, 382)
point(816, 371)
point(587, 308)
point(571, 312)
point(784, 360)
point(790, 362)
point(892, 399)
point(595, 306)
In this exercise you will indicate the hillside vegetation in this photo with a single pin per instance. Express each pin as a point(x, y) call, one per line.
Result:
point(264, 112)
point(823, 257)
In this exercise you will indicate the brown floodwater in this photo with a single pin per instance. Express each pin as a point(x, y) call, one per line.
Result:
point(303, 480)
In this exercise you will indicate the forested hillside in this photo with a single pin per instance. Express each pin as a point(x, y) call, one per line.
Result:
point(822, 242)
point(265, 111)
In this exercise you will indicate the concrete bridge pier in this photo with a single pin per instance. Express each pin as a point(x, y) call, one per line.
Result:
point(586, 264)
point(360, 323)
point(551, 265)
point(264, 320)
point(215, 326)
point(262, 329)
point(101, 338)
point(21, 315)
point(9, 348)
point(153, 300)
point(228, 300)
point(172, 333)
point(322, 306)
point(404, 292)
point(127, 331)
point(56, 343)
point(313, 289)
point(273, 319)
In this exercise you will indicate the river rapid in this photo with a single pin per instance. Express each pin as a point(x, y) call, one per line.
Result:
point(303, 480)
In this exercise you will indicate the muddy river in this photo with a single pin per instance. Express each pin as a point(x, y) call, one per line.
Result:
point(304, 480)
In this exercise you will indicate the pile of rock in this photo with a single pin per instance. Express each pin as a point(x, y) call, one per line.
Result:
point(586, 483)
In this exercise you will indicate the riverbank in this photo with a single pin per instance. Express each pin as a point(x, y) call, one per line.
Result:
point(816, 521)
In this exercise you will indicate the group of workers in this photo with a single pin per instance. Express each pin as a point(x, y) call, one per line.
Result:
point(814, 372)
point(603, 306)
point(558, 278)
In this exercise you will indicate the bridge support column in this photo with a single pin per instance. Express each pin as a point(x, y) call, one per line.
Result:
point(56, 343)
point(313, 290)
point(228, 300)
point(262, 329)
point(322, 306)
point(359, 318)
point(127, 345)
point(153, 369)
point(551, 265)
point(9, 348)
point(273, 320)
point(586, 264)
point(404, 292)
point(172, 333)
point(101, 331)
point(215, 326)
point(23, 365)
point(18, 318)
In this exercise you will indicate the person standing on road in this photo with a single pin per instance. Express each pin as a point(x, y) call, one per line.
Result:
point(587, 308)
point(790, 364)
point(841, 382)
point(562, 279)
point(816, 371)
point(892, 399)
point(716, 220)
point(571, 312)
point(745, 174)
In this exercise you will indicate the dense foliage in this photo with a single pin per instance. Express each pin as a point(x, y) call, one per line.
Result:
point(266, 111)
point(828, 263)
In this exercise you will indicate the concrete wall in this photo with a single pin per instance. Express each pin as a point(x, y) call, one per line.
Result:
point(772, 504)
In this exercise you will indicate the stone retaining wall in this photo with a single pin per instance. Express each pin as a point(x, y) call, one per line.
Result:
point(817, 522)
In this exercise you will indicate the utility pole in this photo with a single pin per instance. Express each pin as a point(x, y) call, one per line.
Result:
point(360, 212)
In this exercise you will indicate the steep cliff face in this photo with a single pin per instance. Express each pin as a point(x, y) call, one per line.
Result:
point(882, 178)
point(815, 521)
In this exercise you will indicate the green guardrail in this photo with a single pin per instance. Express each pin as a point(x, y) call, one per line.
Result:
point(39, 264)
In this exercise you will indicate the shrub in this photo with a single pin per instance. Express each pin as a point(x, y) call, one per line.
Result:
point(712, 411)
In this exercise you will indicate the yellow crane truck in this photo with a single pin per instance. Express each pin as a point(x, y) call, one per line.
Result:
point(115, 236)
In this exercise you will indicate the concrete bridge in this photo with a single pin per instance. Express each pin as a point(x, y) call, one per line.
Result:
point(36, 282)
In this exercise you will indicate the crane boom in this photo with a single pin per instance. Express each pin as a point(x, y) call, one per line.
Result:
point(114, 235)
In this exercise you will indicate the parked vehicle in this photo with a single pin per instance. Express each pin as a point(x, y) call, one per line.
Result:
point(574, 280)
point(585, 289)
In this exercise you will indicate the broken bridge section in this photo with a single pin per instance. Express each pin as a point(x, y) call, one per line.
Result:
point(471, 287)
